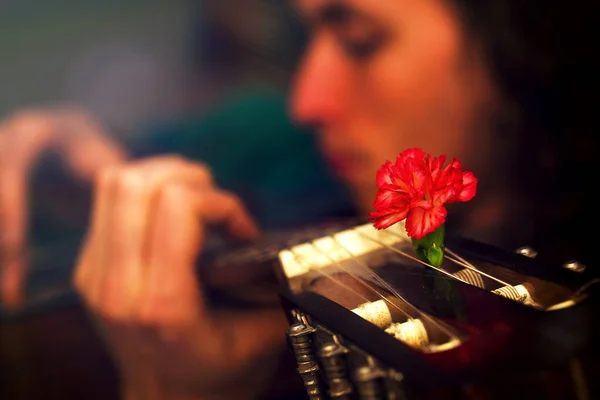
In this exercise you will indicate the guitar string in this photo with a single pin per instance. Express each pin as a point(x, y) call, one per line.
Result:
point(462, 262)
point(41, 249)
point(392, 290)
point(335, 280)
point(368, 269)
point(365, 267)
point(505, 287)
point(405, 254)
point(350, 289)
point(360, 280)
point(585, 287)
point(457, 259)
point(69, 289)
point(453, 256)
point(394, 293)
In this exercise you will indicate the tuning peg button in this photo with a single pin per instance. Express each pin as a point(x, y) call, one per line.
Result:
point(527, 252)
point(574, 266)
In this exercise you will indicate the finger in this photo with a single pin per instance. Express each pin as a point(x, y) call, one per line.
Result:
point(137, 196)
point(13, 217)
point(86, 157)
point(85, 145)
point(172, 294)
point(124, 238)
point(22, 137)
point(82, 269)
point(177, 233)
point(13, 224)
point(223, 208)
point(12, 279)
point(90, 269)
point(167, 168)
point(120, 220)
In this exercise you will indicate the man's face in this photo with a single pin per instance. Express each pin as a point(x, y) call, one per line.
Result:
point(381, 76)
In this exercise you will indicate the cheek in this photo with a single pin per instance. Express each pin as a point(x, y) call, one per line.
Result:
point(414, 98)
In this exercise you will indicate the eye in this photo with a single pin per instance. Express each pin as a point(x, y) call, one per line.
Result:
point(360, 42)
point(363, 48)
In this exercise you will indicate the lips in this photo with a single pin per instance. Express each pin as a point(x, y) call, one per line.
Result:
point(341, 159)
point(342, 164)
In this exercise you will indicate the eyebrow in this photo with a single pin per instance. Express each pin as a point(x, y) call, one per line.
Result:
point(337, 13)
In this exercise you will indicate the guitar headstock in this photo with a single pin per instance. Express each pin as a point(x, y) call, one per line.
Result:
point(368, 320)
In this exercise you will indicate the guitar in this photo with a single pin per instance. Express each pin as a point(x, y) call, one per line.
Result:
point(370, 321)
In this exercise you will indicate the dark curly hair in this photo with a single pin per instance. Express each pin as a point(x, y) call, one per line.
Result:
point(540, 56)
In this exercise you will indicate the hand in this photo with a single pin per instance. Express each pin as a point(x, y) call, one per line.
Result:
point(23, 137)
point(136, 274)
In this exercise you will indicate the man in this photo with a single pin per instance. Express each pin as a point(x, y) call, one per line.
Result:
point(377, 78)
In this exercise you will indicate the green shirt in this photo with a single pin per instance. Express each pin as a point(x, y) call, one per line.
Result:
point(255, 151)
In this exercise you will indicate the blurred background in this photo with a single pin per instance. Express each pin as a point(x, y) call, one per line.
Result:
point(130, 60)
point(125, 60)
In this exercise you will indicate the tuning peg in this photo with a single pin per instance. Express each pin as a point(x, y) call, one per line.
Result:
point(333, 360)
point(527, 252)
point(300, 340)
point(368, 381)
point(574, 266)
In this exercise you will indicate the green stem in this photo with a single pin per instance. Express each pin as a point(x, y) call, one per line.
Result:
point(430, 248)
point(446, 299)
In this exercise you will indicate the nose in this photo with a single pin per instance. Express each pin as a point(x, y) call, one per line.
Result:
point(320, 89)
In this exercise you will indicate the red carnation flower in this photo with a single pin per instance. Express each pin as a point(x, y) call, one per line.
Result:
point(417, 187)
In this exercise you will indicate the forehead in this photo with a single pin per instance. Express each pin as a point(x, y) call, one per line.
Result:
point(310, 6)
point(338, 9)
point(422, 18)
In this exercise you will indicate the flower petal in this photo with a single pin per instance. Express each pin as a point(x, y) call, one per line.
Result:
point(420, 222)
point(435, 166)
point(385, 219)
point(410, 167)
point(384, 174)
point(469, 189)
point(443, 195)
point(389, 198)
point(389, 177)
point(424, 204)
point(410, 154)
